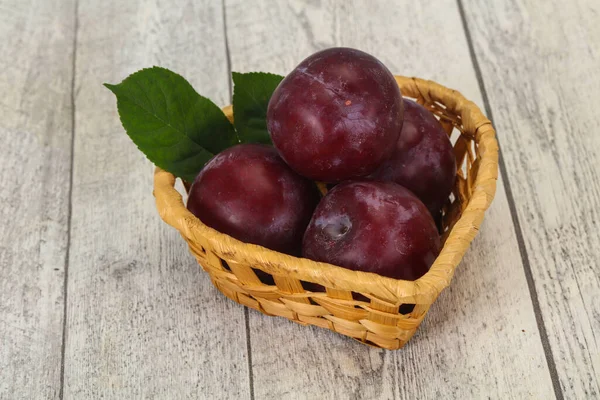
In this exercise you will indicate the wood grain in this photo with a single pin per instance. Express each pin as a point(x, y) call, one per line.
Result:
point(480, 338)
point(143, 320)
point(540, 67)
point(36, 53)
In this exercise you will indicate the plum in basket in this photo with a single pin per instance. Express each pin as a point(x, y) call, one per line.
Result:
point(377, 227)
point(248, 192)
point(423, 160)
point(336, 116)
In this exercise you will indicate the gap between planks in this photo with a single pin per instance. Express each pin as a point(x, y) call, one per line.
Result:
point(61, 392)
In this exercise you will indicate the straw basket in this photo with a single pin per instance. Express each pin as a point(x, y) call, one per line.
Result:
point(370, 308)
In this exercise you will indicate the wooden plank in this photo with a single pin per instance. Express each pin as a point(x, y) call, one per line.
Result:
point(540, 66)
point(36, 54)
point(143, 320)
point(480, 338)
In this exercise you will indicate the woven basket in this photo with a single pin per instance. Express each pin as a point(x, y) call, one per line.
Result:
point(383, 316)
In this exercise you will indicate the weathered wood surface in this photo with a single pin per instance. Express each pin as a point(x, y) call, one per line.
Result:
point(540, 64)
point(480, 339)
point(143, 321)
point(36, 49)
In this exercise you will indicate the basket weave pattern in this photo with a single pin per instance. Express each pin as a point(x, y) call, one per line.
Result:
point(378, 321)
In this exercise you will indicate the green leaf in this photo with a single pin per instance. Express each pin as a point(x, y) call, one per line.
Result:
point(251, 94)
point(175, 127)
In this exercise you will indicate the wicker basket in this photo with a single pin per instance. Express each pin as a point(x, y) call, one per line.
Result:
point(377, 317)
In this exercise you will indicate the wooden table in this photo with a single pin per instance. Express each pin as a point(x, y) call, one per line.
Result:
point(100, 299)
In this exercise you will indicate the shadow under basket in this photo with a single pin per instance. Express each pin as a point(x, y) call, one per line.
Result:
point(372, 309)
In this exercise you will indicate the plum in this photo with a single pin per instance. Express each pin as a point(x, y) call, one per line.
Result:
point(250, 193)
point(336, 116)
point(371, 226)
point(423, 160)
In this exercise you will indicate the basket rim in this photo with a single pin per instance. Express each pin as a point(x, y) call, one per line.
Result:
point(172, 210)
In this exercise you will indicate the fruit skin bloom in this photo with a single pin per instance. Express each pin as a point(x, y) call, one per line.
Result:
point(249, 193)
point(377, 227)
point(336, 116)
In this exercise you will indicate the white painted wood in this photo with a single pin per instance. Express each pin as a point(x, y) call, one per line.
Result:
point(540, 64)
point(143, 320)
point(36, 50)
point(480, 339)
